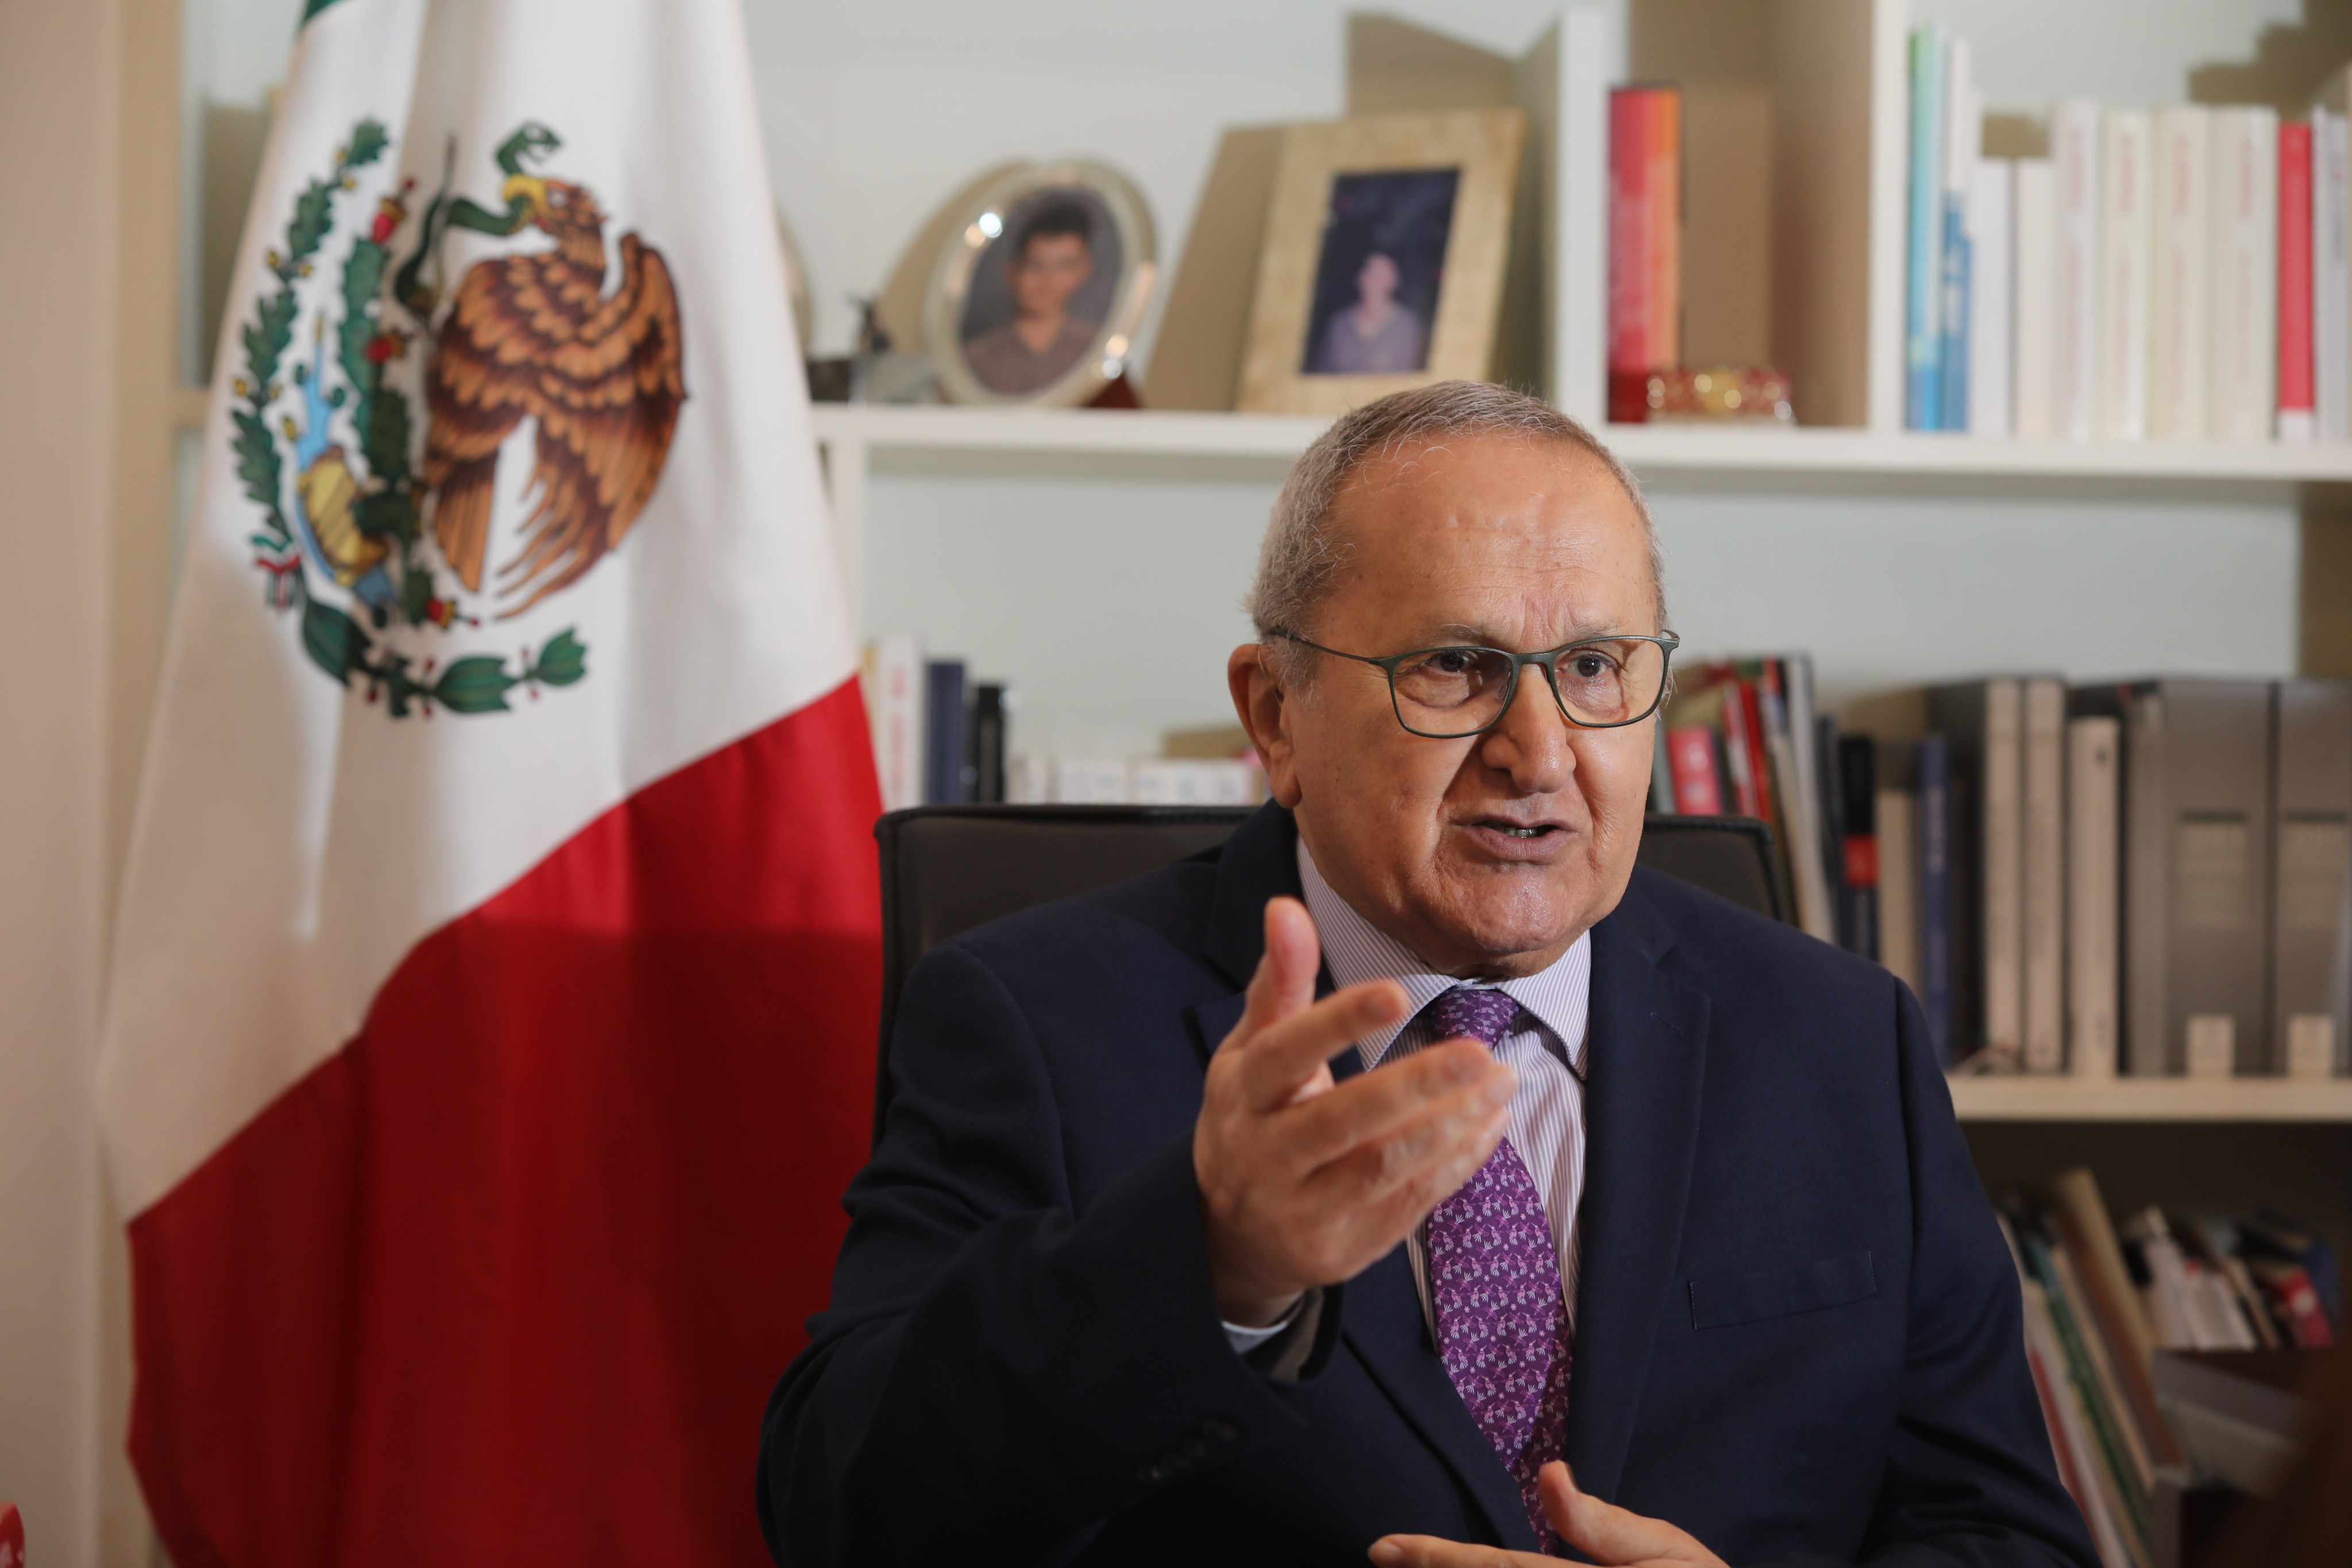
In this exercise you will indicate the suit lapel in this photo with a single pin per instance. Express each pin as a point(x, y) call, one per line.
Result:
point(1643, 1086)
point(1382, 1324)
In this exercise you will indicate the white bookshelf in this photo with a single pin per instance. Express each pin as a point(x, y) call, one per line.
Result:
point(2021, 1097)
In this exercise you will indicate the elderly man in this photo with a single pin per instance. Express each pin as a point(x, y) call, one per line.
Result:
point(1318, 1196)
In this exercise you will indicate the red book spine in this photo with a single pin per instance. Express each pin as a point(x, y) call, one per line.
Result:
point(1645, 264)
point(2295, 326)
point(1690, 757)
point(1738, 756)
point(1760, 756)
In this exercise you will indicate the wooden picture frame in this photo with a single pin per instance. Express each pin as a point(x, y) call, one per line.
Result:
point(1337, 319)
point(973, 293)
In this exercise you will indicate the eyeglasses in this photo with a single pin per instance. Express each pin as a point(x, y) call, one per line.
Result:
point(1450, 693)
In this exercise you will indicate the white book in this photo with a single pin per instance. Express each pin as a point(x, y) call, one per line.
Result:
point(1091, 781)
point(1898, 885)
point(2045, 874)
point(2180, 236)
point(2122, 286)
point(2094, 894)
point(893, 675)
point(2076, 152)
point(2005, 891)
point(2331, 274)
point(1168, 781)
point(2033, 298)
point(2241, 274)
point(1991, 197)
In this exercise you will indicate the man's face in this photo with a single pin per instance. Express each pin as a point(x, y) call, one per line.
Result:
point(1051, 269)
point(1517, 544)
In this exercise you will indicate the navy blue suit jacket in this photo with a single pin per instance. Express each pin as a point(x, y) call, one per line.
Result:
point(1797, 1329)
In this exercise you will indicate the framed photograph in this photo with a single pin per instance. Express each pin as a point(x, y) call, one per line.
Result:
point(1386, 243)
point(1038, 291)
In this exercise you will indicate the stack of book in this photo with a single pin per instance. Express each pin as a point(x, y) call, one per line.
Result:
point(938, 738)
point(2100, 1302)
point(2152, 876)
point(2182, 275)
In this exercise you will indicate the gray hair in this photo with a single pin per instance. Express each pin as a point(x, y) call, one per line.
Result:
point(1302, 553)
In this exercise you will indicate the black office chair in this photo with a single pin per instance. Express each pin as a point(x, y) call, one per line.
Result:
point(947, 869)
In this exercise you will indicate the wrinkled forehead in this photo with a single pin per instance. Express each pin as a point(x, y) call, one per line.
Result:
point(1537, 529)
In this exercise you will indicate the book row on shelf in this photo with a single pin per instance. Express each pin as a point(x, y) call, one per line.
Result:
point(2180, 275)
point(2160, 276)
point(2102, 1300)
point(2150, 877)
point(940, 739)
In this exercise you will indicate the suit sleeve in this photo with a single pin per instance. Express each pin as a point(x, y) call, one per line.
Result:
point(1970, 1476)
point(994, 1368)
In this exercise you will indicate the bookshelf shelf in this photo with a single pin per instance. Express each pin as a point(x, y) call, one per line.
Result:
point(943, 432)
point(2028, 1098)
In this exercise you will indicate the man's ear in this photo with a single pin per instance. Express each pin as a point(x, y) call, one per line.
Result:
point(1265, 711)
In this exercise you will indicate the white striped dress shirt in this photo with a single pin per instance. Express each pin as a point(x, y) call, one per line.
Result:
point(1547, 1049)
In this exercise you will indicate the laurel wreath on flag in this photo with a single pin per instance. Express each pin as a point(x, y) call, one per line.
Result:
point(387, 511)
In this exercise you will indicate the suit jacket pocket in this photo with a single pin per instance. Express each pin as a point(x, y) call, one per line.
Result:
point(1781, 1292)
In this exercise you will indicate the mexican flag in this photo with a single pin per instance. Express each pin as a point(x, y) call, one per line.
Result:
point(491, 1025)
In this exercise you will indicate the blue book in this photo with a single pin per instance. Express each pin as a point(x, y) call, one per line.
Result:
point(1953, 314)
point(1934, 785)
point(943, 732)
point(1923, 335)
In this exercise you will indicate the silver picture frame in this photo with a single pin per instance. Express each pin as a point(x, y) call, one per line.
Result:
point(982, 333)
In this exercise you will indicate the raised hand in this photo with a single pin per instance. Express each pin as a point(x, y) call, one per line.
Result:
point(1603, 1532)
point(1305, 1183)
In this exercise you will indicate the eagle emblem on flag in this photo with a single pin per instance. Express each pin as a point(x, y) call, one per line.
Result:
point(376, 526)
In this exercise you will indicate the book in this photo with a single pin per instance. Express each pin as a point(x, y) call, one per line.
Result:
point(2241, 310)
point(1923, 277)
point(2180, 236)
point(1164, 780)
point(2331, 275)
point(1645, 218)
point(1816, 909)
point(893, 673)
point(2125, 166)
point(1693, 754)
point(2272, 1233)
point(2197, 796)
point(2094, 893)
point(1963, 138)
point(1895, 810)
point(943, 732)
point(989, 704)
point(1983, 722)
point(1931, 768)
point(2311, 880)
point(2295, 389)
point(1992, 322)
point(2042, 875)
point(2075, 148)
point(1830, 812)
point(2034, 351)
point(2080, 1219)
point(1857, 758)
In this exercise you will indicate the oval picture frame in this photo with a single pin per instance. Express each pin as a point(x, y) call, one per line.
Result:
point(968, 308)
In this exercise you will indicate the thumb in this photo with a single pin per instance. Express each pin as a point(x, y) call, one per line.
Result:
point(1603, 1532)
point(1293, 955)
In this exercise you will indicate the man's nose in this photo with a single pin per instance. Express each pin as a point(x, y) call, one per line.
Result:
point(1531, 741)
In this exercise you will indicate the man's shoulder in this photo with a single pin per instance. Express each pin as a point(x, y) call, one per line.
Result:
point(1724, 948)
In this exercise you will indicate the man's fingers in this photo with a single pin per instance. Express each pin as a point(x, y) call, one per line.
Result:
point(1429, 1551)
point(1375, 1104)
point(1607, 1533)
point(1287, 1051)
point(1388, 1187)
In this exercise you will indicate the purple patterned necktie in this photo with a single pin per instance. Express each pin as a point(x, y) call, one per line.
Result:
point(1494, 1283)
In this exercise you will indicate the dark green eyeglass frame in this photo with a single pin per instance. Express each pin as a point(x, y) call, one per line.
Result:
point(1547, 661)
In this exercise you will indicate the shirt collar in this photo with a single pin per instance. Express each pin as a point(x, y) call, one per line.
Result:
point(1355, 950)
